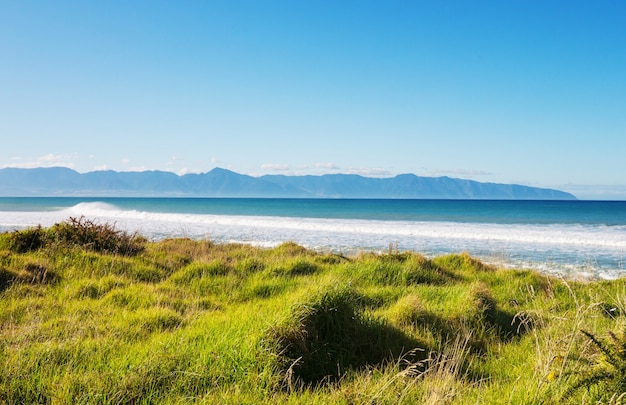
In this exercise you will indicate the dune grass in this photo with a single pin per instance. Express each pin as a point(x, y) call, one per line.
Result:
point(89, 315)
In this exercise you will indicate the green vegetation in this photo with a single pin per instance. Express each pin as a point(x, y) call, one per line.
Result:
point(89, 314)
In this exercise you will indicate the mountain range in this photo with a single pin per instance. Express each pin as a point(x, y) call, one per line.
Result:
point(61, 181)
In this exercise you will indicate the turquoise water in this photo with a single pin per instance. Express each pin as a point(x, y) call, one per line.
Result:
point(582, 238)
point(468, 211)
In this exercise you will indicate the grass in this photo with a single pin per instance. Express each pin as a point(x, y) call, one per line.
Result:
point(89, 314)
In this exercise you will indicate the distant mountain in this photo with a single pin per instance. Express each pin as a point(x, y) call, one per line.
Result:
point(60, 181)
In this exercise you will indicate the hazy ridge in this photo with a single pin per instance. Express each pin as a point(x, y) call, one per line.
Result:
point(59, 181)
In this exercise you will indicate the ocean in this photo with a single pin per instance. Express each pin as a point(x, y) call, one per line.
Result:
point(585, 239)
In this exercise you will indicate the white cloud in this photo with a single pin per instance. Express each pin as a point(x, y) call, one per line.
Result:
point(327, 166)
point(455, 172)
point(186, 170)
point(275, 167)
point(135, 168)
point(48, 160)
point(369, 171)
point(323, 168)
point(303, 167)
point(215, 162)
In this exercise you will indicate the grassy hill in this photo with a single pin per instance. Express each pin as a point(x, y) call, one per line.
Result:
point(89, 314)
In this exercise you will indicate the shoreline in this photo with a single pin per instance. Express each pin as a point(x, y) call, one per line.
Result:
point(511, 261)
point(554, 248)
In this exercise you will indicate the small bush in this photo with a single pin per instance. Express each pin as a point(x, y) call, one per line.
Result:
point(27, 240)
point(90, 235)
point(77, 232)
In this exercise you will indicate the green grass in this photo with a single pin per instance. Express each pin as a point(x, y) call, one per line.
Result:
point(89, 315)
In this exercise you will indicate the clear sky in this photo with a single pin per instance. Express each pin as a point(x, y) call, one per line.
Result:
point(527, 92)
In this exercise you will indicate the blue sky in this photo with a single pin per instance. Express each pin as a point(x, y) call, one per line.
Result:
point(528, 92)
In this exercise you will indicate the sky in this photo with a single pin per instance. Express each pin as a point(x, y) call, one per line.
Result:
point(524, 92)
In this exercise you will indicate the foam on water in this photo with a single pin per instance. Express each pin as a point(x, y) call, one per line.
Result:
point(569, 249)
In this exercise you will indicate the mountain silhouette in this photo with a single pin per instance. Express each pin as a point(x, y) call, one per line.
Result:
point(61, 181)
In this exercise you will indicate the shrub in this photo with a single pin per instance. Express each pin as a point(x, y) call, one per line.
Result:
point(27, 240)
point(606, 378)
point(77, 232)
point(103, 238)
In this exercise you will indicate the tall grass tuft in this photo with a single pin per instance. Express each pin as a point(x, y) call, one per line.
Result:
point(328, 335)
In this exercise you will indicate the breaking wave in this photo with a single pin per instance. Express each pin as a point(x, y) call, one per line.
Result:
point(555, 248)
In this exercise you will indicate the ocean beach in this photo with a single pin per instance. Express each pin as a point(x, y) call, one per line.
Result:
point(577, 239)
point(263, 202)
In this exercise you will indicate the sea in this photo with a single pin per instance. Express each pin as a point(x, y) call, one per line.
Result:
point(572, 239)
